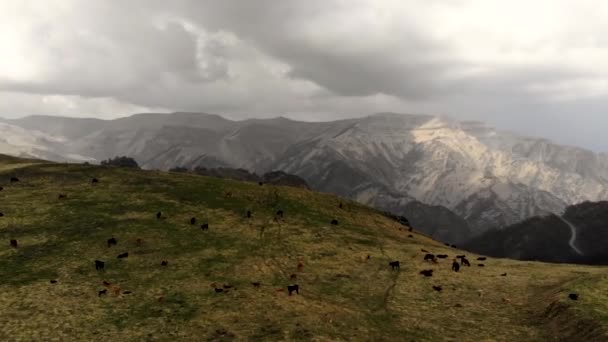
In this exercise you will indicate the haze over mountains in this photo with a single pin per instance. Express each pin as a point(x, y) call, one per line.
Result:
point(489, 178)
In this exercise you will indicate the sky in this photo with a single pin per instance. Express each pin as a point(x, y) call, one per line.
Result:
point(537, 68)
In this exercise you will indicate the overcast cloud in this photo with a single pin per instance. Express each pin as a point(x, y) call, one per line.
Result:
point(535, 67)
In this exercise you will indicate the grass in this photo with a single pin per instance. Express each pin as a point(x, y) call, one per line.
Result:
point(343, 295)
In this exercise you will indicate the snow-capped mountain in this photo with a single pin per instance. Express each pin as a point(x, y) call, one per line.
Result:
point(489, 178)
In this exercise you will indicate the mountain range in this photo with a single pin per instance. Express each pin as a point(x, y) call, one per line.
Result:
point(451, 173)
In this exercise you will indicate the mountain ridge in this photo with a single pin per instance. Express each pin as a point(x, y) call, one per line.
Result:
point(490, 178)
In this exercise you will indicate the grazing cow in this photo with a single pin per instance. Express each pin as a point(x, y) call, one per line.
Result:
point(99, 265)
point(280, 213)
point(218, 290)
point(94, 181)
point(53, 281)
point(248, 213)
point(437, 288)
point(193, 221)
point(464, 261)
point(291, 288)
point(460, 256)
point(429, 257)
point(14, 179)
point(423, 250)
point(410, 229)
point(1, 188)
point(106, 283)
point(102, 292)
point(1, 215)
point(127, 292)
point(427, 273)
point(453, 246)
point(368, 257)
point(455, 266)
point(480, 265)
point(481, 258)
point(334, 222)
point(410, 236)
point(260, 183)
point(164, 263)
point(573, 296)
point(62, 196)
point(205, 226)
point(13, 243)
point(293, 277)
point(394, 265)
point(340, 205)
point(256, 284)
point(442, 256)
point(123, 255)
point(112, 242)
point(158, 215)
point(504, 274)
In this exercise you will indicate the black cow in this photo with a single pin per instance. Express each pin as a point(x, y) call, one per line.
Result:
point(1, 215)
point(205, 226)
point(340, 205)
point(430, 257)
point(102, 292)
point(455, 266)
point(427, 273)
point(164, 263)
point(112, 242)
point(453, 246)
point(193, 221)
point(1, 188)
point(504, 274)
point(256, 284)
point(14, 179)
point(410, 236)
point(218, 290)
point(53, 281)
point(423, 250)
point(480, 265)
point(573, 296)
point(292, 288)
point(481, 258)
point(334, 222)
point(248, 213)
point(94, 181)
point(158, 215)
point(62, 196)
point(464, 261)
point(410, 229)
point(14, 243)
point(442, 256)
point(99, 265)
point(280, 213)
point(123, 255)
point(437, 288)
point(460, 256)
point(260, 183)
point(394, 265)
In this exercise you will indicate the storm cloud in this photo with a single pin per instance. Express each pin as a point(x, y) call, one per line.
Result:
point(537, 68)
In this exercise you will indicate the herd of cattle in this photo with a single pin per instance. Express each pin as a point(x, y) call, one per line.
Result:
point(457, 262)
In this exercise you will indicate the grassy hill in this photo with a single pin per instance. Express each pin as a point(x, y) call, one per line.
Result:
point(343, 295)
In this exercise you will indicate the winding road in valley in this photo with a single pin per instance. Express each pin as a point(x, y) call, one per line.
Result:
point(572, 236)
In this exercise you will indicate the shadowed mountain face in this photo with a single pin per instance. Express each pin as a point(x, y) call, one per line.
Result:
point(579, 236)
point(489, 178)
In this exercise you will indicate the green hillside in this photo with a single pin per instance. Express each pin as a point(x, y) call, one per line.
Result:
point(343, 294)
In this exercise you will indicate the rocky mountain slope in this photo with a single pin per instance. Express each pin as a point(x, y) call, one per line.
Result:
point(489, 178)
point(580, 235)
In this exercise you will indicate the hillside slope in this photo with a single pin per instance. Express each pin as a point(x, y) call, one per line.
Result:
point(343, 295)
point(579, 236)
